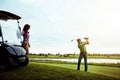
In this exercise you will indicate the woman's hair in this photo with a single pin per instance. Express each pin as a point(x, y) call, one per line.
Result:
point(26, 27)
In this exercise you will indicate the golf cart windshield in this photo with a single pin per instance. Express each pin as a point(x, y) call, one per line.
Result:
point(9, 32)
point(9, 28)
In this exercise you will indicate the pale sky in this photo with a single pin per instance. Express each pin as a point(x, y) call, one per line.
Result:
point(55, 22)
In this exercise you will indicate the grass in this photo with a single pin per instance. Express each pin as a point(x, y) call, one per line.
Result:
point(60, 71)
point(97, 69)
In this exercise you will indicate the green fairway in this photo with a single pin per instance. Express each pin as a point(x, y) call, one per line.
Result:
point(54, 71)
point(102, 70)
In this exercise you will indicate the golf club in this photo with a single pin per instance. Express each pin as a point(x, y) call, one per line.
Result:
point(79, 38)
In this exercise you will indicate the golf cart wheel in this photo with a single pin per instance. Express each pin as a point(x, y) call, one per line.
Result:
point(8, 64)
point(25, 63)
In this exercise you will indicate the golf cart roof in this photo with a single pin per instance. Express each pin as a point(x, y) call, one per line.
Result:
point(4, 15)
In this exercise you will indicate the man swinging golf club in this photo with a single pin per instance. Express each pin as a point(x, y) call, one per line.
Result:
point(83, 52)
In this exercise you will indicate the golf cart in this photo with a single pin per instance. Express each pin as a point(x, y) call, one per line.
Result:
point(11, 54)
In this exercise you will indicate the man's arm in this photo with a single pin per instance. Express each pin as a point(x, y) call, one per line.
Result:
point(87, 41)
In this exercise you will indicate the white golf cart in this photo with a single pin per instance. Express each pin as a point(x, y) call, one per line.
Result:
point(11, 54)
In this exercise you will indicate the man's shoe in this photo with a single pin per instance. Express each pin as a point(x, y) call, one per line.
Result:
point(85, 70)
point(78, 69)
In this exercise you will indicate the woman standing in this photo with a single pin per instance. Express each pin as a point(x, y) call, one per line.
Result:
point(26, 36)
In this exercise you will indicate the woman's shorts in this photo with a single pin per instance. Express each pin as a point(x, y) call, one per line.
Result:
point(25, 44)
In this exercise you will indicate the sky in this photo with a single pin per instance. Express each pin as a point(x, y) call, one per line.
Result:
point(54, 23)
